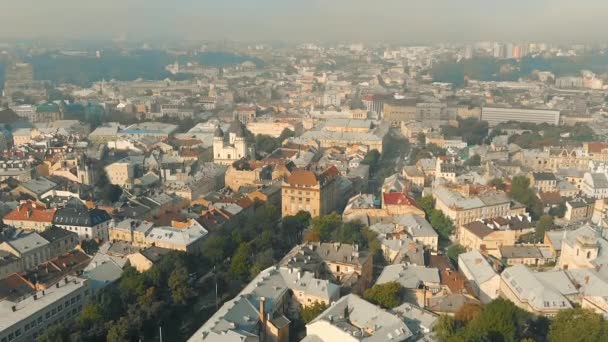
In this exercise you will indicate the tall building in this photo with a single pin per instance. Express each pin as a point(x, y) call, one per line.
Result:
point(232, 146)
point(307, 191)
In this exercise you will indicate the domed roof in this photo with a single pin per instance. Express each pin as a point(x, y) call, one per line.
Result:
point(218, 133)
point(236, 127)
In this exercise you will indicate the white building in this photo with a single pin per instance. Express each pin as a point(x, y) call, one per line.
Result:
point(595, 185)
point(230, 147)
point(494, 116)
point(25, 316)
point(89, 224)
point(480, 274)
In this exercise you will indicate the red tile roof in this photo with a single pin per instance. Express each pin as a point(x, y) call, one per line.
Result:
point(596, 147)
point(302, 177)
point(31, 211)
point(398, 198)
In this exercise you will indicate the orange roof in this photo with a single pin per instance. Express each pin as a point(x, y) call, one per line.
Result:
point(302, 177)
point(398, 198)
point(30, 211)
point(596, 147)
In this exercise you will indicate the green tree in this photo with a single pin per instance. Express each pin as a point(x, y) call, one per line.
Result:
point(312, 311)
point(521, 192)
point(386, 295)
point(427, 203)
point(442, 224)
point(56, 333)
point(214, 248)
point(111, 193)
point(454, 251)
point(372, 158)
point(241, 263)
point(179, 285)
point(445, 328)
point(558, 211)
point(544, 224)
point(578, 325)
point(500, 320)
point(421, 138)
point(474, 160)
point(325, 226)
point(497, 183)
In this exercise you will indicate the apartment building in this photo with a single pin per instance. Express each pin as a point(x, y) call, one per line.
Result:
point(307, 191)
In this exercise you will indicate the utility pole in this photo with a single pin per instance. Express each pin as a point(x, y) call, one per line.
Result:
point(160, 332)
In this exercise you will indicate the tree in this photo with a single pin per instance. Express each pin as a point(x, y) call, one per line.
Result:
point(500, 320)
point(372, 158)
point(214, 248)
point(468, 312)
point(325, 226)
point(497, 183)
point(427, 203)
point(240, 261)
point(421, 137)
point(454, 251)
point(521, 192)
point(8, 116)
point(386, 295)
point(474, 160)
point(111, 193)
point(441, 223)
point(544, 224)
point(56, 333)
point(445, 328)
point(578, 325)
point(558, 211)
point(179, 285)
point(311, 311)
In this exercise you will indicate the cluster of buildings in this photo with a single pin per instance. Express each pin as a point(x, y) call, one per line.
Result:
point(142, 168)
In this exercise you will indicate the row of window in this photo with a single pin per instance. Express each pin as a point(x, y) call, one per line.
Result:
point(47, 316)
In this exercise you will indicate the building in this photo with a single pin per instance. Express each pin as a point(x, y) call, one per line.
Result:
point(543, 181)
point(132, 231)
point(595, 185)
point(31, 248)
point(582, 248)
point(341, 263)
point(541, 293)
point(89, 224)
point(495, 116)
point(579, 209)
point(490, 234)
point(307, 191)
point(121, 173)
point(482, 277)
point(25, 312)
point(147, 257)
point(420, 281)
point(152, 129)
point(30, 215)
point(260, 312)
point(354, 319)
point(530, 255)
point(187, 237)
point(269, 128)
point(467, 204)
point(232, 146)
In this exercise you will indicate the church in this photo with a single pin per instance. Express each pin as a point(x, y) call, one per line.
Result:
point(231, 146)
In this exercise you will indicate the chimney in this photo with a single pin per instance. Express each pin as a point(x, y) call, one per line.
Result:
point(14, 307)
point(263, 310)
point(346, 312)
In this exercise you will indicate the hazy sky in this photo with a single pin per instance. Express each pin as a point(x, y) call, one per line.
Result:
point(300, 20)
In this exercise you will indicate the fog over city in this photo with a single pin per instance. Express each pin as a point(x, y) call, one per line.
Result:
point(288, 20)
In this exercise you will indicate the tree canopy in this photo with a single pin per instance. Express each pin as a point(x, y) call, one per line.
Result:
point(386, 295)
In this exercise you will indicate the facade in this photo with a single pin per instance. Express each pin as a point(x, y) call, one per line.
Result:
point(595, 185)
point(582, 248)
point(31, 248)
point(121, 173)
point(494, 116)
point(26, 313)
point(306, 191)
point(132, 231)
point(490, 234)
point(89, 224)
point(543, 181)
point(469, 207)
point(232, 146)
